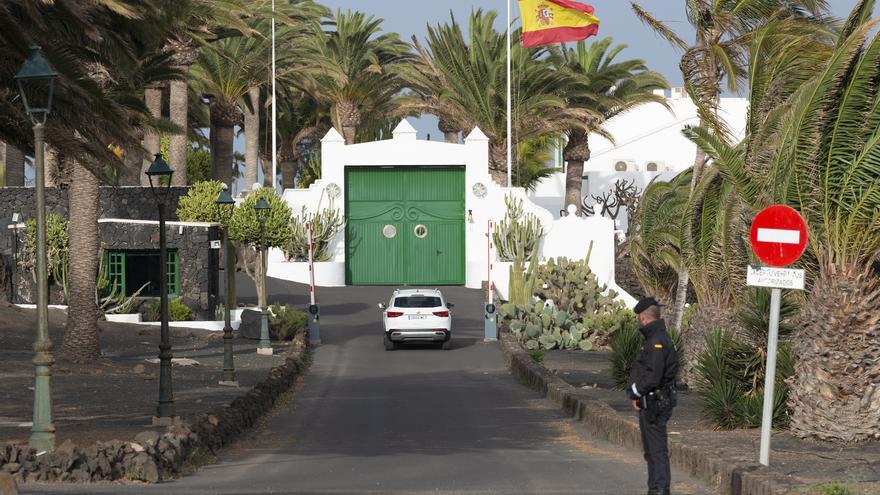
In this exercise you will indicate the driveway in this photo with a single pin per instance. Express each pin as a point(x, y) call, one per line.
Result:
point(411, 421)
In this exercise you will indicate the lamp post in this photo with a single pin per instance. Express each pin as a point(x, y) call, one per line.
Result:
point(225, 203)
point(265, 347)
point(159, 175)
point(36, 85)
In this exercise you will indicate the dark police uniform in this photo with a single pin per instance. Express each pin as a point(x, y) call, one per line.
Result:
point(652, 384)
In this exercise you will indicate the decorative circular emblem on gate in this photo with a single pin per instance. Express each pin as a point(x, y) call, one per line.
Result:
point(480, 190)
point(390, 231)
point(421, 231)
point(333, 190)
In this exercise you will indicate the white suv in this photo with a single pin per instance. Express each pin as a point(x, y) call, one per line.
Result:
point(416, 315)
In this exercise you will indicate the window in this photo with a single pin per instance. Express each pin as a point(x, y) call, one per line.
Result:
point(418, 302)
point(133, 269)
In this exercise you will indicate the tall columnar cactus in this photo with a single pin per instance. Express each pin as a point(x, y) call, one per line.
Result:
point(325, 225)
point(522, 281)
point(518, 232)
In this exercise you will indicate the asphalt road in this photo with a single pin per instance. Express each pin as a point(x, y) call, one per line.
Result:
point(412, 421)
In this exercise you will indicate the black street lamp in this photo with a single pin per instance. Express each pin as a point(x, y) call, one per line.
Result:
point(159, 175)
point(36, 85)
point(225, 204)
point(265, 347)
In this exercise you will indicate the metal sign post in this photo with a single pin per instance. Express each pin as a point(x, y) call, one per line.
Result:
point(491, 318)
point(770, 375)
point(778, 237)
point(314, 308)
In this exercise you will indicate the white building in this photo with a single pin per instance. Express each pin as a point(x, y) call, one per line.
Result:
point(418, 212)
point(648, 142)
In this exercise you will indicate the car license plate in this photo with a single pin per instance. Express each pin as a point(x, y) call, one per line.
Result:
point(417, 317)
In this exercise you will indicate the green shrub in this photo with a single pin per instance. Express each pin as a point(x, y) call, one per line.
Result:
point(626, 342)
point(831, 489)
point(537, 355)
point(731, 371)
point(57, 252)
point(310, 171)
point(198, 165)
point(244, 225)
point(199, 203)
point(177, 311)
point(285, 321)
point(220, 312)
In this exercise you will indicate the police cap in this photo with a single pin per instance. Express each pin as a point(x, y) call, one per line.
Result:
point(645, 303)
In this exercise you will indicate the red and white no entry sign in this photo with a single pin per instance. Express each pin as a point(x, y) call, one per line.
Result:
point(779, 235)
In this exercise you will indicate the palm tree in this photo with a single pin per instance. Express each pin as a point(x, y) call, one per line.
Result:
point(232, 70)
point(352, 70)
point(813, 143)
point(608, 87)
point(98, 49)
point(205, 20)
point(225, 72)
point(463, 81)
point(719, 53)
point(302, 121)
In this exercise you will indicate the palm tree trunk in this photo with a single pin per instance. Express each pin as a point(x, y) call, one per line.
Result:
point(3, 163)
point(52, 162)
point(288, 174)
point(14, 166)
point(81, 342)
point(450, 132)
point(153, 99)
point(574, 185)
point(498, 163)
point(349, 118)
point(252, 137)
point(130, 173)
point(266, 165)
point(178, 143)
point(222, 152)
point(576, 153)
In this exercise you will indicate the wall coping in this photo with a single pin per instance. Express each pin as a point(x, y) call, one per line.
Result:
point(139, 222)
point(156, 222)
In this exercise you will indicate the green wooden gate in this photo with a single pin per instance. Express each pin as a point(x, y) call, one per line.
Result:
point(405, 226)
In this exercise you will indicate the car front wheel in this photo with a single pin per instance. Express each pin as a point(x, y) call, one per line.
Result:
point(446, 345)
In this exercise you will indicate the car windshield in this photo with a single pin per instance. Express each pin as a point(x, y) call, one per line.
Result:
point(417, 302)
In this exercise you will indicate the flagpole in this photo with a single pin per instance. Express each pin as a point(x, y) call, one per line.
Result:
point(509, 106)
point(274, 108)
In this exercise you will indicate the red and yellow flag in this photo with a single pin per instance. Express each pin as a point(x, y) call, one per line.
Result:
point(556, 21)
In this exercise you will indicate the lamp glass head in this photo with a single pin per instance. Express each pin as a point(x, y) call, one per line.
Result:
point(36, 83)
point(225, 198)
point(262, 208)
point(159, 174)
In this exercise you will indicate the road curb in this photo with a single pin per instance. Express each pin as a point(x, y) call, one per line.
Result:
point(730, 476)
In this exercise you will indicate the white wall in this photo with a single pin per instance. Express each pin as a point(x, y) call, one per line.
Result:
point(404, 149)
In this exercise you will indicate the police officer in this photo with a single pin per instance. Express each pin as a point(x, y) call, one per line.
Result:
point(652, 391)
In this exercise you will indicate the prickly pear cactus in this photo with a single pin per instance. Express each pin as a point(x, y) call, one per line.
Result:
point(539, 326)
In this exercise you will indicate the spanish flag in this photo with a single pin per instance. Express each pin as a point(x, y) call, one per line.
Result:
point(556, 21)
